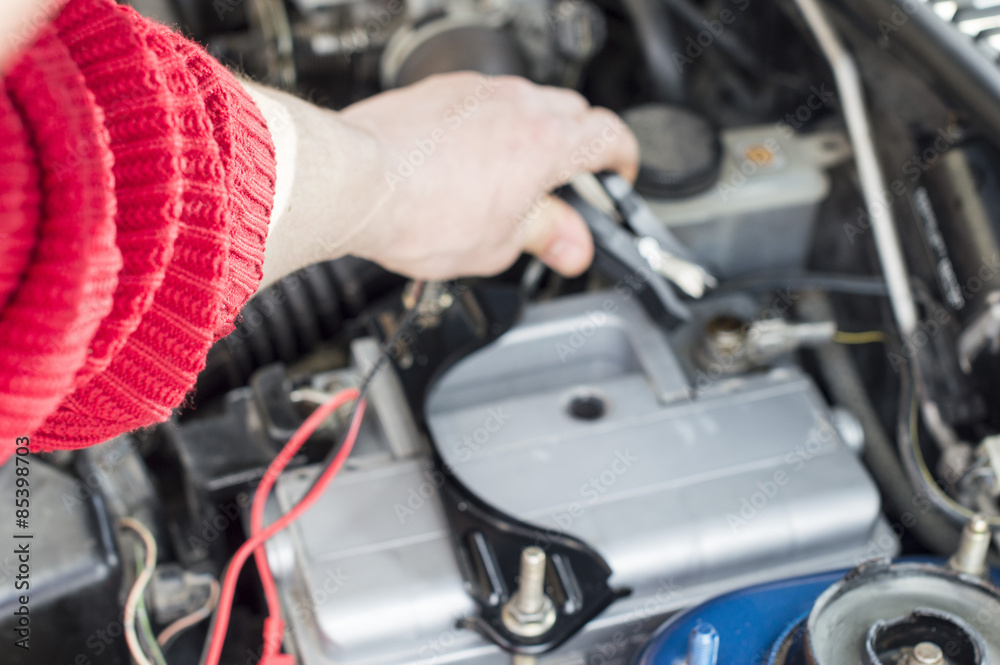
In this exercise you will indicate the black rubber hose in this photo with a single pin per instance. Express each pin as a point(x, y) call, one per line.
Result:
point(727, 40)
point(847, 389)
point(657, 38)
point(290, 318)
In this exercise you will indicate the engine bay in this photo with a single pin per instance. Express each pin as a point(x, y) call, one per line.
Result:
point(764, 427)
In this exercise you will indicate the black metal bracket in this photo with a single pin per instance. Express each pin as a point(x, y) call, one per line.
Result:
point(488, 543)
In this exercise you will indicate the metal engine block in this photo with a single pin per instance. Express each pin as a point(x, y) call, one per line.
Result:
point(587, 419)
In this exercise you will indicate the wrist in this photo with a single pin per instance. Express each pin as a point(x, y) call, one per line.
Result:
point(329, 172)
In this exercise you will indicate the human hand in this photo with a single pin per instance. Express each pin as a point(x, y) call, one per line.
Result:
point(468, 164)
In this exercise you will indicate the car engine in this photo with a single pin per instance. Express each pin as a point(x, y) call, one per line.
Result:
point(763, 428)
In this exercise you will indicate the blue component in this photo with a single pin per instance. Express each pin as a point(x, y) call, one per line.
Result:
point(703, 645)
point(749, 622)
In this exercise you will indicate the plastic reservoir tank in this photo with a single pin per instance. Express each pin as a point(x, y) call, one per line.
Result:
point(743, 200)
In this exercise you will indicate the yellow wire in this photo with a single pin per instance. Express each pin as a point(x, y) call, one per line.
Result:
point(867, 337)
point(925, 471)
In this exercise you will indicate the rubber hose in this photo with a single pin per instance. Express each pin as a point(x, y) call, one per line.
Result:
point(935, 532)
point(657, 39)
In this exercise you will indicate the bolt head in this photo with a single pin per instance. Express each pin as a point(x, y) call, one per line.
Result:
point(928, 653)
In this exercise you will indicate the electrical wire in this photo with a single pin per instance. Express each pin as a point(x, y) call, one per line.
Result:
point(274, 629)
point(146, 633)
point(915, 464)
point(859, 285)
point(880, 453)
point(185, 622)
point(271, 647)
point(867, 337)
point(138, 588)
point(417, 292)
point(149, 645)
point(274, 470)
point(273, 624)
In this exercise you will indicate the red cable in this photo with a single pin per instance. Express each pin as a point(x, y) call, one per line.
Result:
point(288, 452)
point(273, 625)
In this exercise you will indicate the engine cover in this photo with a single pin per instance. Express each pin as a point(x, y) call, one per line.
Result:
point(586, 419)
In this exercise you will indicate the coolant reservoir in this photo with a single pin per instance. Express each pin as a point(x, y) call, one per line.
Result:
point(757, 212)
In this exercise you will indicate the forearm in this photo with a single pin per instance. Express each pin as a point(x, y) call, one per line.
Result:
point(328, 185)
point(448, 177)
point(19, 21)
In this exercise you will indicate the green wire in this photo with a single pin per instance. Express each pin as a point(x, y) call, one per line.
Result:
point(152, 647)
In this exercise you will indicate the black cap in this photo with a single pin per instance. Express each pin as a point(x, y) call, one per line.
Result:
point(680, 153)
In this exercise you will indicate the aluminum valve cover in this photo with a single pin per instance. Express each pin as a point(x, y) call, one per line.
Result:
point(587, 419)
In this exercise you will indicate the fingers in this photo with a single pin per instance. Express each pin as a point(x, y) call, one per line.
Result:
point(556, 234)
point(561, 101)
point(605, 143)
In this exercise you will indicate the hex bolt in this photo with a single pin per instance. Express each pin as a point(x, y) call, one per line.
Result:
point(973, 547)
point(703, 645)
point(927, 653)
point(530, 612)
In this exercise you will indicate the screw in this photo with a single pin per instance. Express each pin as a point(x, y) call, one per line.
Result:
point(927, 653)
point(970, 557)
point(703, 645)
point(530, 612)
point(531, 591)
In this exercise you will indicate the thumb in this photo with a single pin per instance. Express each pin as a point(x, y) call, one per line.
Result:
point(557, 235)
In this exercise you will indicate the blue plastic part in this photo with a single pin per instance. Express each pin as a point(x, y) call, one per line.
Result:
point(750, 622)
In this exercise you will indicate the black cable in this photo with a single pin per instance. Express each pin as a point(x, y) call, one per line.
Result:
point(409, 318)
point(858, 285)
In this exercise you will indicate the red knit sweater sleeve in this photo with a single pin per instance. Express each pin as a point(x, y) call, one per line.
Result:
point(136, 182)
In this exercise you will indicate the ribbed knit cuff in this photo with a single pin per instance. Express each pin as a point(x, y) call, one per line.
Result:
point(67, 287)
point(189, 160)
point(249, 162)
point(129, 84)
